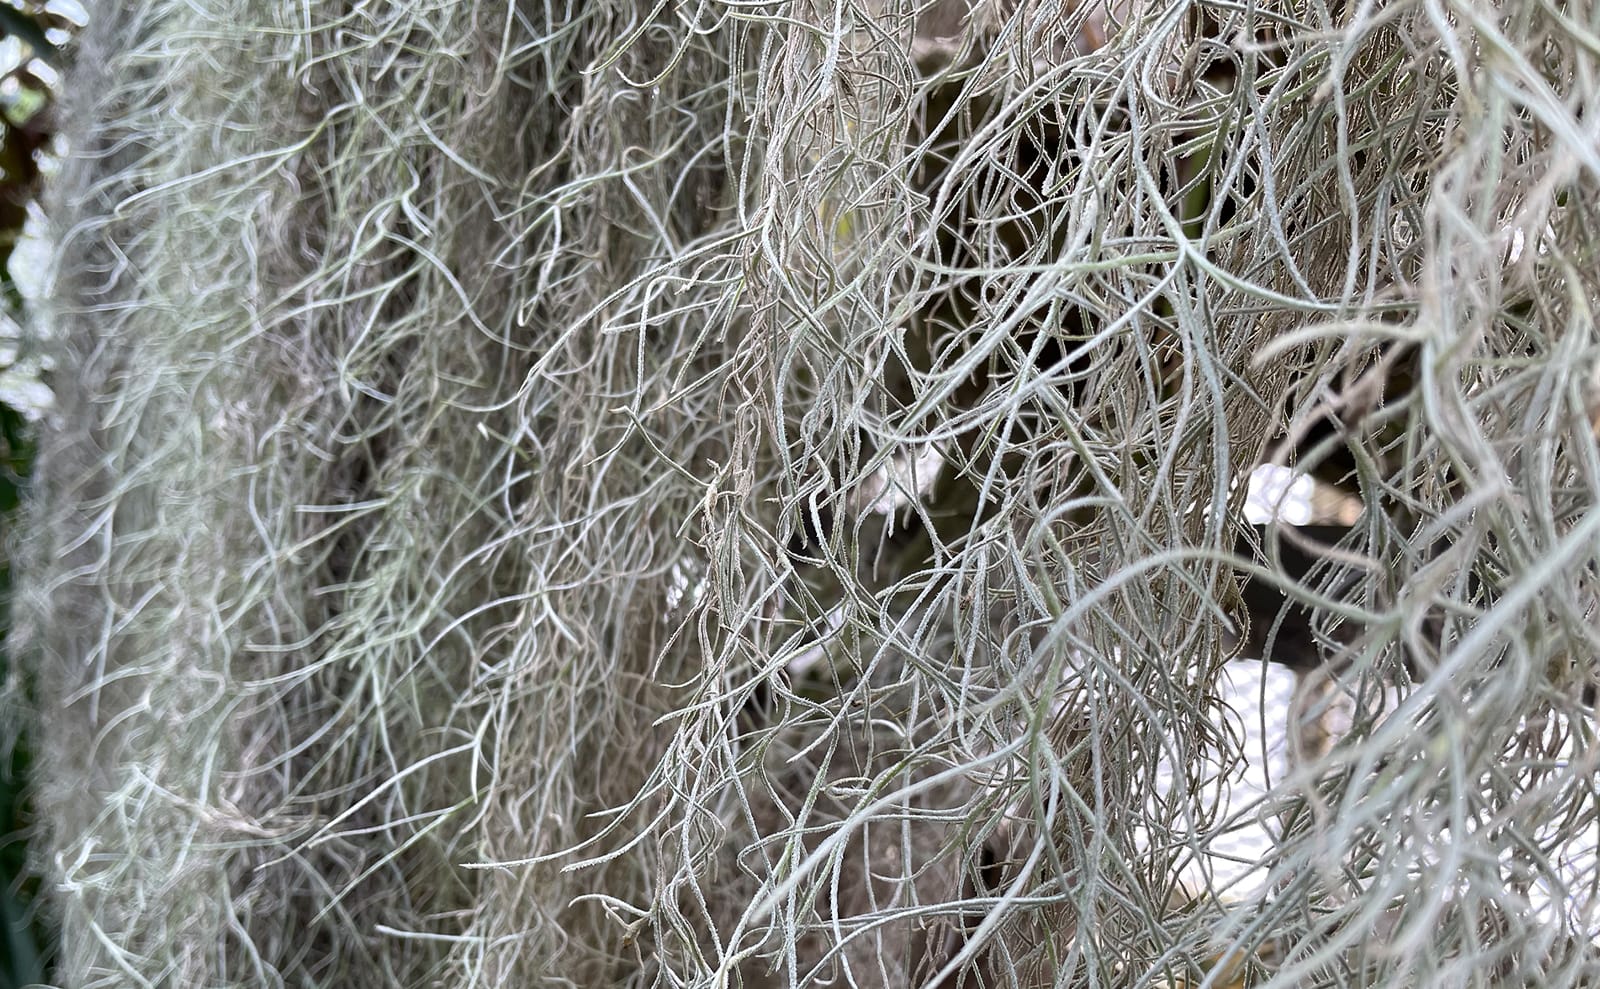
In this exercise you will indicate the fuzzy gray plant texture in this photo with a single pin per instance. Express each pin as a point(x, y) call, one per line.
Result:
point(727, 493)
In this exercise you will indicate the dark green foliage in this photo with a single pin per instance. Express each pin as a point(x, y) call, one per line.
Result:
point(26, 127)
point(22, 957)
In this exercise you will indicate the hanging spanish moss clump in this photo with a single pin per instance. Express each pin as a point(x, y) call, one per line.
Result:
point(629, 494)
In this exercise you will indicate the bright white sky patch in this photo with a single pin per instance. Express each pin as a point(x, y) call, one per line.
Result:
point(1278, 493)
point(895, 485)
point(1255, 708)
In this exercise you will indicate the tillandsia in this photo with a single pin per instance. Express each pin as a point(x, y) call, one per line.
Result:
point(643, 494)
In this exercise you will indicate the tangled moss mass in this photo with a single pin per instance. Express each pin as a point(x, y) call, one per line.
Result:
point(614, 493)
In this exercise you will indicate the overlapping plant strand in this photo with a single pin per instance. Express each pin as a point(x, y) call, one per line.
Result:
point(723, 494)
